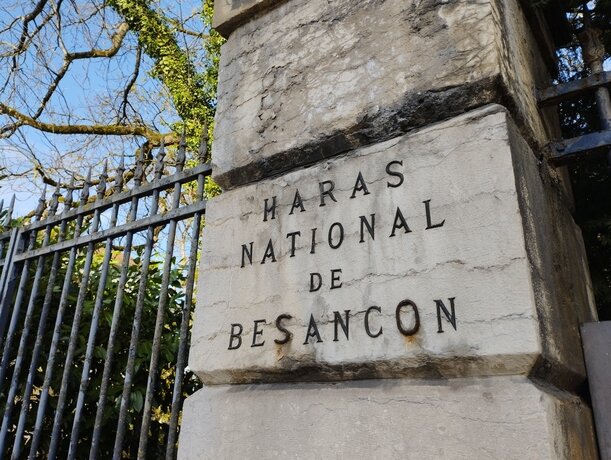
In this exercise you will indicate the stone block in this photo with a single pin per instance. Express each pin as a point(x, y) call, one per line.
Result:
point(449, 222)
point(504, 418)
point(558, 264)
point(310, 79)
point(228, 14)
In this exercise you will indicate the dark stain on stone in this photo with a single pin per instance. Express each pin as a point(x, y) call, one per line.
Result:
point(547, 372)
point(292, 371)
point(416, 110)
point(227, 27)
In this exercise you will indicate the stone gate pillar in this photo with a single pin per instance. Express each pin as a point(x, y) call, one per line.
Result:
point(392, 270)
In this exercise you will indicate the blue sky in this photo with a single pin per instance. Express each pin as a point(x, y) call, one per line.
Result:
point(87, 94)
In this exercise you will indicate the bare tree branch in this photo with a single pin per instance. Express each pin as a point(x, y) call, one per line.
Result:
point(78, 84)
point(179, 27)
point(24, 32)
point(130, 84)
point(104, 130)
point(117, 40)
point(69, 58)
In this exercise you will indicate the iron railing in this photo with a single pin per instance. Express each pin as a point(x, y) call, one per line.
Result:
point(568, 150)
point(95, 307)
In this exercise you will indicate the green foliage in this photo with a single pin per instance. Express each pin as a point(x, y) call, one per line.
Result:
point(14, 223)
point(165, 371)
point(592, 185)
point(193, 94)
point(590, 176)
point(211, 188)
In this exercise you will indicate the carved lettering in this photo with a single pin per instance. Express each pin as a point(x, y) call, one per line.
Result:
point(269, 209)
point(315, 282)
point(287, 334)
point(370, 225)
point(340, 239)
point(359, 186)
point(339, 321)
point(247, 254)
point(292, 236)
point(399, 223)
point(269, 253)
point(297, 203)
point(405, 330)
point(256, 333)
point(335, 279)
point(397, 174)
point(313, 245)
point(429, 222)
point(235, 335)
point(326, 191)
point(450, 315)
point(312, 331)
point(367, 329)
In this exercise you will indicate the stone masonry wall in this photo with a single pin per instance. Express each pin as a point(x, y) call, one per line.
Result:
point(311, 79)
point(392, 270)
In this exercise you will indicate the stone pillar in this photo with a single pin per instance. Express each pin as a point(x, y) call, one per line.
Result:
point(392, 270)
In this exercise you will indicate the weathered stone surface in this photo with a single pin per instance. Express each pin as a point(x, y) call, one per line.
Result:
point(228, 14)
point(504, 418)
point(516, 309)
point(559, 268)
point(311, 79)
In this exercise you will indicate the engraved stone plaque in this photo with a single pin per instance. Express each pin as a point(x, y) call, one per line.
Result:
point(405, 258)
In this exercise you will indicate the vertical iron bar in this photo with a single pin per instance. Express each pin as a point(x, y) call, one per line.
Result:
point(114, 328)
point(183, 343)
point(7, 261)
point(594, 54)
point(17, 446)
point(9, 214)
point(163, 300)
point(4, 279)
point(7, 286)
point(1, 241)
point(29, 318)
point(131, 357)
point(63, 302)
point(23, 280)
point(94, 322)
point(78, 313)
point(7, 222)
point(7, 282)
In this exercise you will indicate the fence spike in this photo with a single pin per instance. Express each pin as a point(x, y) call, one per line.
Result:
point(181, 155)
point(54, 201)
point(139, 171)
point(68, 200)
point(119, 175)
point(41, 204)
point(203, 148)
point(73, 233)
point(101, 188)
point(9, 214)
point(86, 186)
point(159, 161)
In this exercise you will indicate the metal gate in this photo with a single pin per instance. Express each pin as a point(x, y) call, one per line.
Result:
point(95, 308)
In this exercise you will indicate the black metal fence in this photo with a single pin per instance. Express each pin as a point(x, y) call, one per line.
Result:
point(95, 308)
